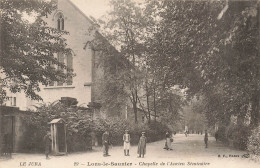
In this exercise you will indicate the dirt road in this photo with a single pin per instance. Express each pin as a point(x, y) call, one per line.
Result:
point(187, 152)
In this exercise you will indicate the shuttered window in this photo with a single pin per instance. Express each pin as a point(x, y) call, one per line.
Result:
point(14, 104)
point(51, 66)
point(69, 68)
point(61, 60)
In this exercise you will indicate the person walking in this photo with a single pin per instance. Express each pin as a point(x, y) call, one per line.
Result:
point(105, 142)
point(126, 139)
point(168, 142)
point(166, 145)
point(216, 135)
point(186, 133)
point(142, 145)
point(47, 142)
point(206, 139)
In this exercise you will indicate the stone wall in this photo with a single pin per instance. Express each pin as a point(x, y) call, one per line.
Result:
point(13, 125)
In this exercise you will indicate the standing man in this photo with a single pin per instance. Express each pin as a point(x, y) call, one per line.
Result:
point(142, 145)
point(47, 142)
point(216, 135)
point(105, 142)
point(126, 139)
point(206, 139)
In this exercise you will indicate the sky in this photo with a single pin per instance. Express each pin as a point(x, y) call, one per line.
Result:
point(95, 8)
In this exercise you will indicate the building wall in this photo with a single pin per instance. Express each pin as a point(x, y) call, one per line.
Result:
point(21, 100)
point(78, 27)
point(19, 129)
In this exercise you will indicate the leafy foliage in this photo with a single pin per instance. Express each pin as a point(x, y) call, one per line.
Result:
point(214, 59)
point(27, 49)
point(126, 28)
point(112, 85)
point(79, 126)
point(116, 127)
point(253, 145)
point(129, 26)
point(162, 44)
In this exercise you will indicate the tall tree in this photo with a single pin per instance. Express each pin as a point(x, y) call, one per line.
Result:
point(111, 85)
point(27, 49)
point(216, 58)
point(126, 28)
point(132, 27)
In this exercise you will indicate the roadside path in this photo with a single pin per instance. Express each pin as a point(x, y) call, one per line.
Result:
point(187, 152)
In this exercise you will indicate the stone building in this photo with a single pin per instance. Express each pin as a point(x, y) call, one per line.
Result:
point(81, 90)
point(83, 60)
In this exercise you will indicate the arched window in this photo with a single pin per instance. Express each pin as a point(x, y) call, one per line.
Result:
point(60, 22)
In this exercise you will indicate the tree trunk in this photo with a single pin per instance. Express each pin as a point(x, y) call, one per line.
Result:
point(154, 105)
point(147, 101)
point(135, 112)
point(134, 102)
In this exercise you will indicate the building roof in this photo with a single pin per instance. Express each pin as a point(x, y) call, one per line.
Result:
point(58, 120)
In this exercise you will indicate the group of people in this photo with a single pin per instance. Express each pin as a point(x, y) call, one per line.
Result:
point(169, 139)
point(141, 150)
point(205, 137)
point(106, 143)
point(126, 138)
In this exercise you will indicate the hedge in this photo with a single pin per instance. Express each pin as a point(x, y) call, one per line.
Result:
point(80, 128)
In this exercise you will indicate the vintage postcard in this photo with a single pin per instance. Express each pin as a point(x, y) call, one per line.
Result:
point(129, 84)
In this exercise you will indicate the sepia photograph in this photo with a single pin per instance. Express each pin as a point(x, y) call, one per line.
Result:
point(129, 83)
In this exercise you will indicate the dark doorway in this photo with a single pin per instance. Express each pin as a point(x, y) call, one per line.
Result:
point(61, 137)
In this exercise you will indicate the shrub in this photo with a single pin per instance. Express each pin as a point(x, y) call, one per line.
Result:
point(117, 126)
point(222, 134)
point(234, 135)
point(237, 135)
point(78, 125)
point(240, 136)
point(253, 144)
point(80, 128)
